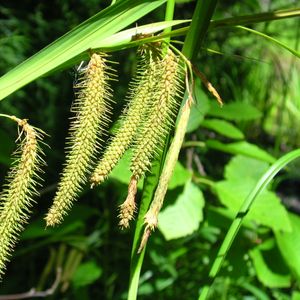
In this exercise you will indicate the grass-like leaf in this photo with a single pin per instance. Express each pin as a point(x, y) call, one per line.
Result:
point(80, 39)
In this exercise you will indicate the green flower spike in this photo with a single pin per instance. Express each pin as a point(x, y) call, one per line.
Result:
point(16, 198)
point(92, 108)
point(160, 117)
point(138, 98)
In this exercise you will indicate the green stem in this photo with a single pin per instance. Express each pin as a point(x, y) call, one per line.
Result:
point(194, 144)
point(256, 18)
point(244, 209)
point(198, 28)
point(149, 188)
point(150, 185)
point(169, 17)
point(203, 181)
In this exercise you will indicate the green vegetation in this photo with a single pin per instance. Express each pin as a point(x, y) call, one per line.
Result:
point(216, 187)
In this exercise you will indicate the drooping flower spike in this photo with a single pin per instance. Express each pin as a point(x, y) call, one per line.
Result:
point(16, 198)
point(161, 114)
point(92, 115)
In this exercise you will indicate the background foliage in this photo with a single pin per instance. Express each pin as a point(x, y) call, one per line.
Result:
point(225, 153)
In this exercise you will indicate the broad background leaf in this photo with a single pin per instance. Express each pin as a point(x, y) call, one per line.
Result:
point(184, 216)
point(235, 111)
point(86, 274)
point(238, 184)
point(243, 148)
point(223, 127)
point(289, 245)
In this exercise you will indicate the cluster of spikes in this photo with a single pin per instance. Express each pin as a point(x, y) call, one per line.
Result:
point(147, 118)
point(145, 121)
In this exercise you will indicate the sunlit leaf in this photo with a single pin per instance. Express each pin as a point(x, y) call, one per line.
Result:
point(235, 111)
point(184, 216)
point(267, 209)
point(243, 148)
point(271, 274)
point(289, 245)
point(180, 176)
point(224, 128)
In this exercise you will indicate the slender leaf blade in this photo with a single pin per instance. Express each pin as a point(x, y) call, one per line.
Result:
point(80, 39)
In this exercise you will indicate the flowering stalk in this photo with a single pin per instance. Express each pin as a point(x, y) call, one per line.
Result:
point(131, 118)
point(92, 107)
point(160, 117)
point(151, 217)
point(16, 198)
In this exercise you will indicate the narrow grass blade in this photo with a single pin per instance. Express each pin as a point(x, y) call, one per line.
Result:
point(294, 52)
point(236, 224)
point(256, 18)
point(80, 39)
point(121, 40)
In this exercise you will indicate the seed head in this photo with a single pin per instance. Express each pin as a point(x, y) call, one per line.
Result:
point(17, 197)
point(92, 108)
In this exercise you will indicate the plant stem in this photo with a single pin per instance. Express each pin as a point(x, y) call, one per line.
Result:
point(169, 17)
point(198, 28)
point(150, 185)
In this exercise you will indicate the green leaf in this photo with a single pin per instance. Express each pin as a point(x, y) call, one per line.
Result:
point(73, 222)
point(223, 127)
point(75, 42)
point(180, 176)
point(296, 295)
point(269, 38)
point(86, 274)
point(270, 268)
point(124, 38)
point(235, 111)
point(242, 173)
point(266, 210)
point(289, 245)
point(184, 216)
point(199, 108)
point(245, 167)
point(243, 148)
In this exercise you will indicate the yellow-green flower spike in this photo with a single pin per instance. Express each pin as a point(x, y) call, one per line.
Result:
point(161, 114)
point(92, 108)
point(135, 112)
point(16, 198)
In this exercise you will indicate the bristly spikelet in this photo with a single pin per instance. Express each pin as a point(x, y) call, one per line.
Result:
point(16, 198)
point(161, 114)
point(138, 99)
point(92, 108)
